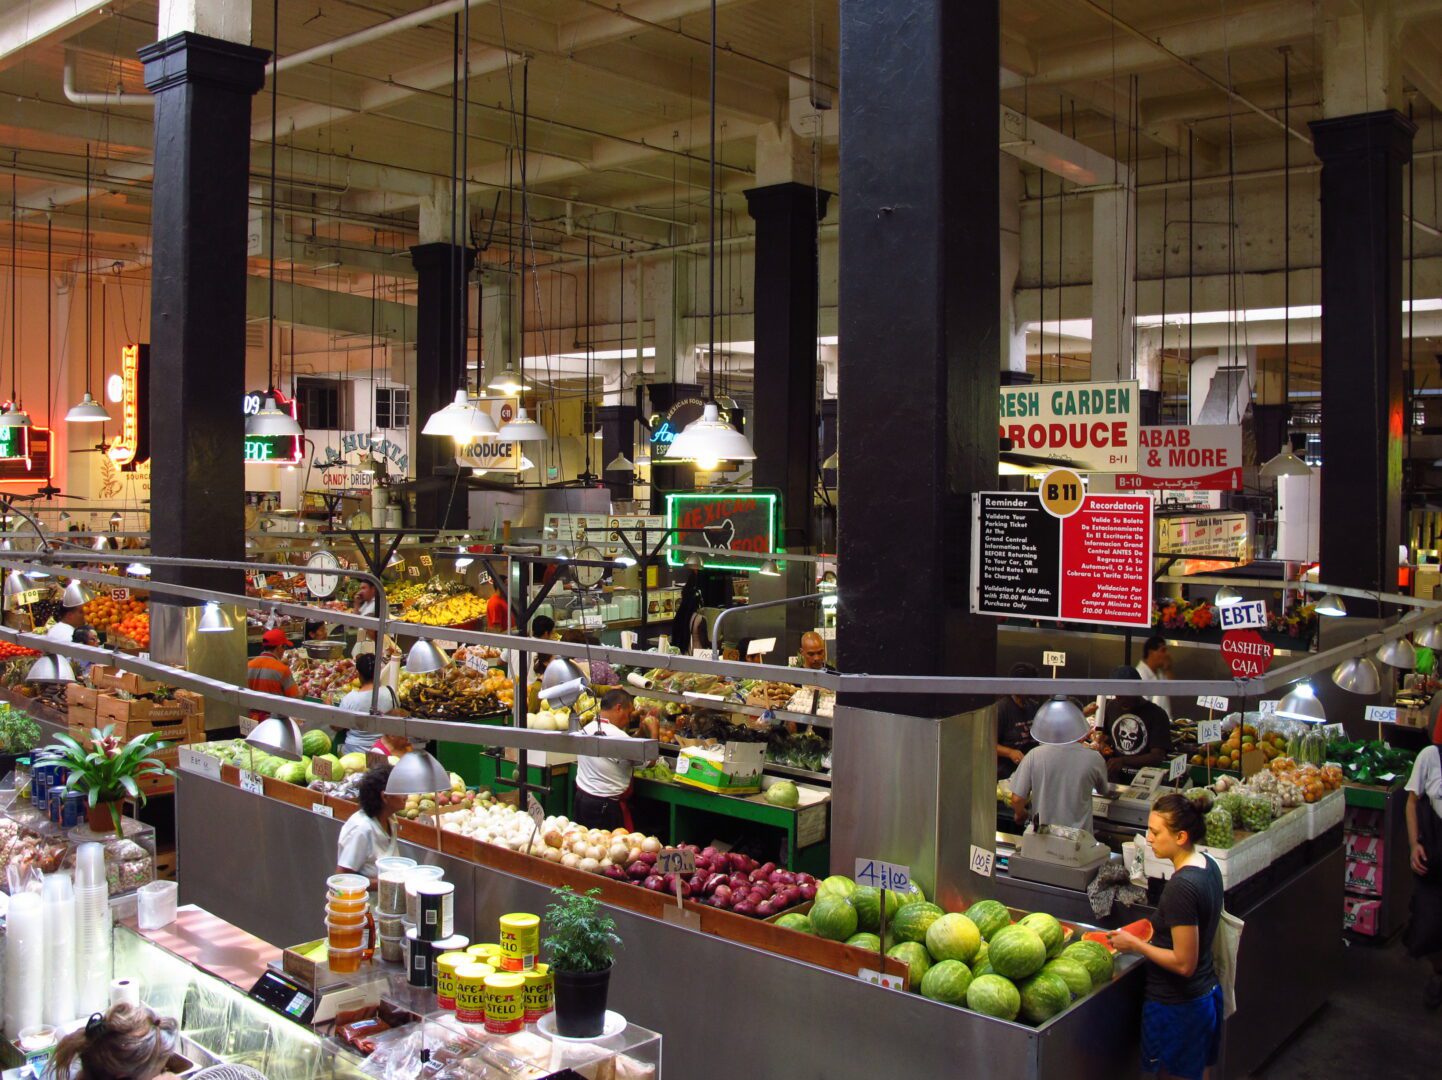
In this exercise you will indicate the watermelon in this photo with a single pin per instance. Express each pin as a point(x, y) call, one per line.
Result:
point(867, 902)
point(837, 883)
point(981, 952)
point(870, 942)
point(1100, 937)
point(833, 918)
point(1142, 930)
point(292, 772)
point(1042, 997)
point(1077, 978)
point(916, 959)
point(1017, 951)
point(1093, 957)
point(1067, 934)
point(947, 981)
point(953, 937)
point(992, 995)
point(913, 896)
point(914, 920)
point(315, 742)
point(1047, 927)
point(982, 966)
point(793, 921)
point(989, 916)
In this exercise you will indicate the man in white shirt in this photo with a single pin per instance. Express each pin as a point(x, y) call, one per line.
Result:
point(1059, 776)
point(602, 784)
point(64, 628)
point(1155, 665)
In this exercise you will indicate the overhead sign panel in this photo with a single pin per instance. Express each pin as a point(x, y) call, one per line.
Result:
point(1093, 427)
point(1187, 457)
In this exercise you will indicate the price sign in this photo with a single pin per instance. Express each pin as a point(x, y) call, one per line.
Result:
point(1209, 731)
point(321, 767)
point(828, 633)
point(1266, 708)
point(676, 861)
point(251, 782)
point(1053, 659)
point(876, 978)
point(1178, 767)
point(704, 654)
point(426, 560)
point(120, 594)
point(322, 809)
point(201, 764)
point(1219, 704)
point(982, 861)
point(413, 571)
point(760, 646)
point(883, 875)
point(257, 580)
point(1334, 731)
point(537, 811)
point(478, 663)
point(1382, 714)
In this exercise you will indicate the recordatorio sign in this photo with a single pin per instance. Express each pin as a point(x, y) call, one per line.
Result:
point(1088, 426)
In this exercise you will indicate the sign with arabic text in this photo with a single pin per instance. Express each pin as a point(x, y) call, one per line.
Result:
point(1187, 457)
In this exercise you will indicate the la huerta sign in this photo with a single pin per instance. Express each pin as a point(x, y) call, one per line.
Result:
point(364, 452)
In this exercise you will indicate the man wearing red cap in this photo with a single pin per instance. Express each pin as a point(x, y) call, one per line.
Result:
point(268, 673)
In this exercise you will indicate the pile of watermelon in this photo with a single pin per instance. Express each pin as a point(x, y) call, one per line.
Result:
point(1028, 970)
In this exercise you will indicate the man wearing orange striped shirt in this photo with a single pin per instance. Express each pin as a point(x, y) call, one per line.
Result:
point(268, 673)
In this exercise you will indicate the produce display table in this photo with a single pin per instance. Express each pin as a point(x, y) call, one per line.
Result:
point(480, 769)
point(692, 813)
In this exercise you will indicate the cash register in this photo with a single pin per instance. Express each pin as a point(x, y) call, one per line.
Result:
point(1127, 807)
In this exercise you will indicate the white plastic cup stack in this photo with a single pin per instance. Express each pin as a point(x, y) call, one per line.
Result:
point(24, 963)
point(58, 896)
point(92, 937)
point(157, 902)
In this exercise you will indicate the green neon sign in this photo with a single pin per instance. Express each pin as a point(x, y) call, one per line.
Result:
point(726, 523)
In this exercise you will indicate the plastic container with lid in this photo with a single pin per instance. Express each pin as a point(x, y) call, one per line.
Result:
point(387, 863)
point(346, 907)
point(346, 918)
point(347, 886)
point(344, 961)
point(393, 949)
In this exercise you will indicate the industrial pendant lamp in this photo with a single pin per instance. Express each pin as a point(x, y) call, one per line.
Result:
point(461, 419)
point(509, 382)
point(1301, 703)
point(76, 595)
point(88, 411)
point(425, 658)
point(694, 561)
point(212, 620)
point(522, 429)
point(417, 773)
point(1226, 596)
point(278, 735)
point(1398, 653)
point(272, 420)
point(1431, 638)
point(769, 569)
point(621, 463)
point(15, 416)
point(1285, 463)
point(1331, 605)
point(1357, 675)
point(51, 669)
point(831, 463)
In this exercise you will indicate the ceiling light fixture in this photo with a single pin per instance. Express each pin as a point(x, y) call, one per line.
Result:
point(769, 569)
point(272, 419)
point(509, 381)
point(621, 463)
point(1285, 463)
point(417, 773)
point(1430, 638)
point(694, 562)
point(522, 429)
point(1331, 605)
point(425, 658)
point(1357, 675)
point(1300, 703)
point(278, 735)
point(1398, 653)
point(50, 668)
point(212, 620)
point(1227, 596)
point(88, 411)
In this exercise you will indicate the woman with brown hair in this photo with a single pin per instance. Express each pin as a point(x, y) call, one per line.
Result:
point(127, 1043)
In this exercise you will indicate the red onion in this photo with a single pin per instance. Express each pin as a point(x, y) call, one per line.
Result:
point(738, 881)
point(647, 857)
point(638, 870)
point(654, 883)
point(745, 907)
point(714, 882)
point(722, 895)
point(792, 894)
point(787, 877)
point(808, 892)
point(757, 895)
point(763, 909)
point(767, 867)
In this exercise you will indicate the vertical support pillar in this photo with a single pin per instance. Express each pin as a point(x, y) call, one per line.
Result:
point(441, 273)
point(1114, 272)
point(618, 436)
point(203, 89)
point(919, 378)
point(1362, 402)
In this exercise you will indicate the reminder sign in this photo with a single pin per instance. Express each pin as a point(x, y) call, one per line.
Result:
point(1179, 457)
point(1093, 566)
point(1092, 427)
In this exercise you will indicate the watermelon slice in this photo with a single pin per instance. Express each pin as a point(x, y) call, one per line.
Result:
point(1099, 937)
point(1142, 930)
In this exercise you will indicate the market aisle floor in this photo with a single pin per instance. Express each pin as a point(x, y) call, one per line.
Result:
point(1374, 1022)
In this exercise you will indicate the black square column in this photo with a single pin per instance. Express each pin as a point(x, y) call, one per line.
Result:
point(441, 273)
point(784, 434)
point(203, 90)
point(919, 335)
point(1363, 421)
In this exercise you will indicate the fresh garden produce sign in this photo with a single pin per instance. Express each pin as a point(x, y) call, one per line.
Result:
point(1093, 566)
point(1092, 427)
point(1179, 457)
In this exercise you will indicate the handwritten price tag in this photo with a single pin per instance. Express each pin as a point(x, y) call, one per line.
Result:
point(322, 809)
point(1220, 704)
point(202, 764)
point(536, 810)
point(1335, 731)
point(982, 861)
point(1178, 767)
point(321, 767)
point(876, 978)
point(883, 875)
point(1382, 714)
point(1209, 731)
point(1266, 708)
point(703, 654)
point(676, 861)
point(251, 782)
point(120, 594)
point(1053, 659)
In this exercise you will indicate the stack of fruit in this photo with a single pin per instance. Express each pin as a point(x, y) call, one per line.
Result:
point(324, 680)
point(106, 613)
point(425, 807)
point(456, 692)
point(1029, 970)
point(10, 651)
point(1241, 739)
point(452, 611)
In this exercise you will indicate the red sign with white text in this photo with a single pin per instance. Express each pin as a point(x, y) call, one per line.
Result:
point(1248, 655)
point(1106, 561)
point(1180, 457)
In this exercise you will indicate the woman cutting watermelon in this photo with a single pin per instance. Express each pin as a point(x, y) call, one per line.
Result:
point(1182, 1014)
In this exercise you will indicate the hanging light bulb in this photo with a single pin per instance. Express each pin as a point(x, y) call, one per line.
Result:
point(522, 429)
point(1285, 463)
point(621, 463)
point(711, 438)
point(89, 411)
point(693, 562)
point(1226, 596)
point(1357, 675)
point(136, 569)
point(508, 382)
point(460, 419)
point(14, 416)
point(116, 520)
point(707, 463)
point(212, 619)
point(1332, 605)
point(1301, 703)
point(272, 420)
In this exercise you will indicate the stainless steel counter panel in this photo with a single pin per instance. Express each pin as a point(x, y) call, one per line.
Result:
point(262, 865)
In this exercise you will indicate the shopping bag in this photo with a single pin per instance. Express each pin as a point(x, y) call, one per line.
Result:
point(1225, 946)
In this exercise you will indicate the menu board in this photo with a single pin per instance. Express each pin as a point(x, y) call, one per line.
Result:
point(1093, 566)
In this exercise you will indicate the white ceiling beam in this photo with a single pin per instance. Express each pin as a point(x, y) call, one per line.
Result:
point(1422, 67)
point(605, 27)
point(42, 22)
point(681, 80)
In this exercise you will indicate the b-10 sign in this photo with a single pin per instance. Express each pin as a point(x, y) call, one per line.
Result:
point(1180, 457)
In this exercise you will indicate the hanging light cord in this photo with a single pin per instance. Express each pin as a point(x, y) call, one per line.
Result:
point(711, 222)
point(14, 296)
point(274, 113)
point(49, 351)
point(87, 268)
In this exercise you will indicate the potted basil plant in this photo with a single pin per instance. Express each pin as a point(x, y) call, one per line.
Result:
point(108, 771)
point(580, 949)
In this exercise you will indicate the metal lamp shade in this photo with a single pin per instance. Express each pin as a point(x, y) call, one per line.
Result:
point(50, 668)
point(1059, 722)
point(560, 671)
point(1226, 596)
point(76, 595)
point(1431, 638)
point(14, 585)
point(417, 773)
point(694, 561)
point(212, 620)
point(522, 429)
point(278, 735)
point(1398, 654)
point(270, 420)
point(769, 569)
point(1286, 464)
point(1357, 676)
point(509, 382)
point(621, 463)
point(424, 658)
point(1301, 704)
point(100, 543)
point(90, 411)
point(476, 424)
point(136, 569)
point(15, 417)
point(711, 438)
point(1331, 605)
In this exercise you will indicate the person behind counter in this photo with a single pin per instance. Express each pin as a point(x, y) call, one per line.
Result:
point(603, 785)
point(813, 652)
point(1182, 1013)
point(1423, 937)
point(366, 834)
point(1059, 772)
point(267, 673)
point(364, 603)
point(1138, 731)
point(315, 630)
point(1155, 666)
point(129, 1042)
point(359, 700)
point(498, 612)
point(65, 626)
point(1014, 713)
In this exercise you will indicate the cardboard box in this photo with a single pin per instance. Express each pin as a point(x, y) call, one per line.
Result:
point(110, 678)
point(1364, 878)
point(734, 770)
point(84, 696)
point(140, 717)
point(1361, 916)
point(1363, 821)
point(309, 973)
point(1365, 849)
point(81, 720)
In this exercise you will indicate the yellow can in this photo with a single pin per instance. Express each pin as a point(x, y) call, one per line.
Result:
point(446, 965)
point(471, 992)
point(487, 954)
point(520, 941)
point(538, 996)
point(505, 1003)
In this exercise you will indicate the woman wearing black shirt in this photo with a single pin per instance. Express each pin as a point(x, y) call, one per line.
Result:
point(1182, 1015)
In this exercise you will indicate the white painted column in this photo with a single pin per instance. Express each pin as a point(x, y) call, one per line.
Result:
point(434, 218)
point(227, 20)
point(1360, 72)
point(1013, 334)
point(675, 347)
point(1149, 359)
point(1113, 284)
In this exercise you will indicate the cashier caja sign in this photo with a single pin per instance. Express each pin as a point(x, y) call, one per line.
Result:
point(1088, 426)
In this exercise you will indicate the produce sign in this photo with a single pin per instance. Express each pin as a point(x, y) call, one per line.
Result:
point(1088, 426)
point(1179, 457)
point(1093, 566)
point(723, 522)
point(493, 455)
point(1247, 653)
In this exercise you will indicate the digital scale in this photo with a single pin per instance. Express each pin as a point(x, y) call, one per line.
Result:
point(280, 993)
point(1057, 855)
point(294, 1000)
point(1129, 807)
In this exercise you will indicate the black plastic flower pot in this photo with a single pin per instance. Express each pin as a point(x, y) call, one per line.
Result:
point(581, 1002)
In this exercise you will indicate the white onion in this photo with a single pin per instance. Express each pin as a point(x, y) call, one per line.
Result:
point(591, 866)
point(594, 853)
point(651, 844)
point(569, 859)
point(618, 853)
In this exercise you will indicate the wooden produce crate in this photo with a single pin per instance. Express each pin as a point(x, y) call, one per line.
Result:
point(80, 719)
point(110, 678)
point(141, 716)
point(84, 696)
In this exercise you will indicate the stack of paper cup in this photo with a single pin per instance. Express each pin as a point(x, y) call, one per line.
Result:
point(92, 931)
point(59, 900)
point(24, 963)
